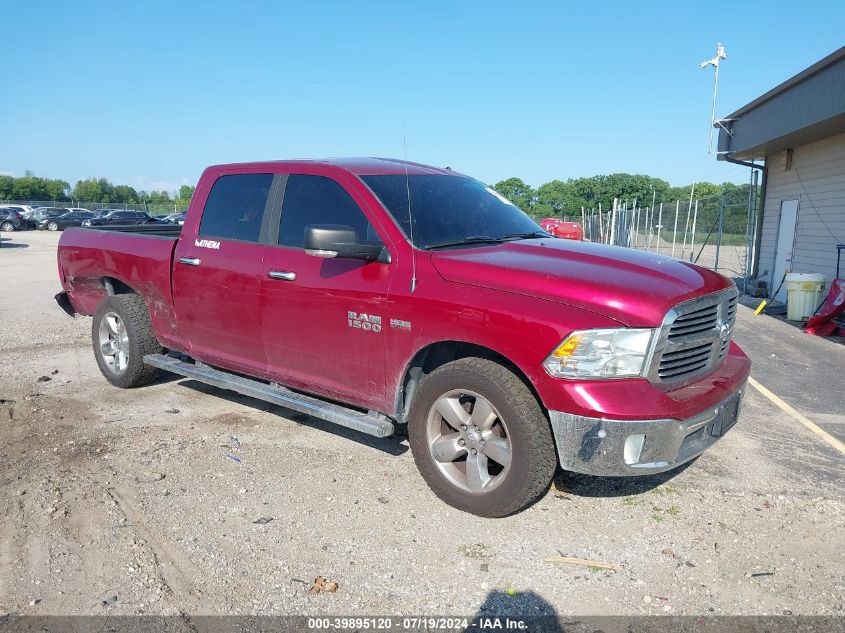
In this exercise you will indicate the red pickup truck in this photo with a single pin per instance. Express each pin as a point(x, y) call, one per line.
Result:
point(383, 295)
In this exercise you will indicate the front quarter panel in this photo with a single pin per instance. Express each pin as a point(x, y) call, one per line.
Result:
point(522, 329)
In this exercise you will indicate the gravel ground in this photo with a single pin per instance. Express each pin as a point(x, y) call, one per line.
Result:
point(181, 498)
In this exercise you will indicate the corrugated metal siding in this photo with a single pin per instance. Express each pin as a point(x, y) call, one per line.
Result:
point(817, 98)
point(821, 168)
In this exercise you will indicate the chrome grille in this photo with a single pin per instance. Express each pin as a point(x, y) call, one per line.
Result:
point(694, 338)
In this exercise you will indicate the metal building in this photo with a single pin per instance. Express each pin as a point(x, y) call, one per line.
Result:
point(798, 129)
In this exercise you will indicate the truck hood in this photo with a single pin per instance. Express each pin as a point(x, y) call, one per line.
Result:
point(633, 287)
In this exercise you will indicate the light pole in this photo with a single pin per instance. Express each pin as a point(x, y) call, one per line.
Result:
point(720, 55)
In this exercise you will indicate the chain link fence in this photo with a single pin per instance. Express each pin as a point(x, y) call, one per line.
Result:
point(710, 232)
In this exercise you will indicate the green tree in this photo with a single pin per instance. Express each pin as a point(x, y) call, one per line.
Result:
point(28, 188)
point(57, 189)
point(158, 197)
point(515, 190)
point(702, 190)
point(6, 184)
point(186, 192)
point(559, 198)
point(88, 190)
point(124, 193)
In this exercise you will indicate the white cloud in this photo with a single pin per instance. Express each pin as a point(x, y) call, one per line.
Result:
point(144, 183)
point(3, 172)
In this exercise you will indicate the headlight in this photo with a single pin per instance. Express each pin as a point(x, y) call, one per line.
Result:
point(600, 354)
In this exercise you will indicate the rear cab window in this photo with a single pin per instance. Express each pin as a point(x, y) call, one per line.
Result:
point(236, 207)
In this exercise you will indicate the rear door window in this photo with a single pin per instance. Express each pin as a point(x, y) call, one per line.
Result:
point(320, 200)
point(236, 206)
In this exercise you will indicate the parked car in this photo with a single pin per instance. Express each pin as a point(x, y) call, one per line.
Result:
point(42, 213)
point(175, 218)
point(79, 209)
point(11, 219)
point(120, 217)
point(71, 218)
point(26, 212)
point(381, 295)
point(23, 209)
point(559, 228)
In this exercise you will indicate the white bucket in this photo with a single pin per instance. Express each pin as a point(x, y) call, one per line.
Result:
point(803, 295)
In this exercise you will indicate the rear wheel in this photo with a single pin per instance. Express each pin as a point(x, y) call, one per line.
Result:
point(121, 335)
point(480, 439)
point(8, 227)
point(52, 226)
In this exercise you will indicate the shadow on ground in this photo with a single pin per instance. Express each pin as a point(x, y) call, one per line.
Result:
point(394, 445)
point(589, 486)
point(6, 242)
point(536, 613)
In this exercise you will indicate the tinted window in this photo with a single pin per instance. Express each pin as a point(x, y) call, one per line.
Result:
point(448, 208)
point(320, 200)
point(235, 207)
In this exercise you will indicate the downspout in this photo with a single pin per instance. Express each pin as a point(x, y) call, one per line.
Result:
point(758, 230)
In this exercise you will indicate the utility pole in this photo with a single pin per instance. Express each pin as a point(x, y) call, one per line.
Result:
point(720, 55)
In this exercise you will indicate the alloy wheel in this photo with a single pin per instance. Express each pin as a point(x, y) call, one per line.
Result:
point(114, 343)
point(468, 441)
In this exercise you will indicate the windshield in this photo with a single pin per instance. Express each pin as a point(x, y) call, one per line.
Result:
point(450, 210)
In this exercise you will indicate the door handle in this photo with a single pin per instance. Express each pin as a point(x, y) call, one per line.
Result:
point(284, 275)
point(190, 261)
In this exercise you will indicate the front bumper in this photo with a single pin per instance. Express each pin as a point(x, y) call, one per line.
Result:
point(597, 446)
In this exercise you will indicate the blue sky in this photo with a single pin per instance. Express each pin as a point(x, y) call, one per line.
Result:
point(149, 93)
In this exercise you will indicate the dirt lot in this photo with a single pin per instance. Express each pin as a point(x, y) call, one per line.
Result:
point(156, 501)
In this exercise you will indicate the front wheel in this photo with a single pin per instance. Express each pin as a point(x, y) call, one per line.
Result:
point(8, 227)
point(480, 439)
point(52, 226)
point(122, 334)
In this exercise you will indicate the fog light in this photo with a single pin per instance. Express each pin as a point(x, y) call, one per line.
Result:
point(634, 448)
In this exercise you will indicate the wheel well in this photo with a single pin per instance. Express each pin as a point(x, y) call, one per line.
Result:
point(437, 354)
point(116, 287)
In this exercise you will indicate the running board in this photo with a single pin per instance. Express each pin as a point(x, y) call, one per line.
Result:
point(369, 423)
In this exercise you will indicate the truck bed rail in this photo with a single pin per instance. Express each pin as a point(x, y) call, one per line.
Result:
point(157, 229)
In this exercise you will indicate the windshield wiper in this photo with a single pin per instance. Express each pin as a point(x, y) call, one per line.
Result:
point(472, 239)
point(525, 236)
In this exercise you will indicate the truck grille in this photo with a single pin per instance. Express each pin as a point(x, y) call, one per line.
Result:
point(695, 337)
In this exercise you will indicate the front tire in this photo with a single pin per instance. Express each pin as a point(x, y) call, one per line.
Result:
point(7, 227)
point(52, 226)
point(480, 438)
point(121, 335)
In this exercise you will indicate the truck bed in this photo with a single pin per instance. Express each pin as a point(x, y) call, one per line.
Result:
point(140, 258)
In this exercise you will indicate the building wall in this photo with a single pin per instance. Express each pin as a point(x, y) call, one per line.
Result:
point(817, 180)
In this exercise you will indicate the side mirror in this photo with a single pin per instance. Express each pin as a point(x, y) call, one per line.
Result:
point(338, 240)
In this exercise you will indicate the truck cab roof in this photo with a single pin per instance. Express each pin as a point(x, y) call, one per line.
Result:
point(360, 166)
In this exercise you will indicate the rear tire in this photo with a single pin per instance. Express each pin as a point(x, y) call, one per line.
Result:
point(121, 335)
point(7, 227)
point(494, 446)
